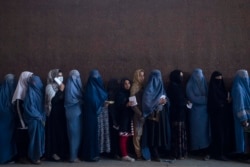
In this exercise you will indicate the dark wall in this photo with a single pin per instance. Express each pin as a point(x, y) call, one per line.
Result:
point(119, 36)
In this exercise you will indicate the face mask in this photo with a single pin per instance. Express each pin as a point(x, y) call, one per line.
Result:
point(60, 78)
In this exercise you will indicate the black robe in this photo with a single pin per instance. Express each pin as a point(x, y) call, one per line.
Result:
point(219, 117)
point(56, 128)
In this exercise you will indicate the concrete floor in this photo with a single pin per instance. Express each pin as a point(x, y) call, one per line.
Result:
point(190, 162)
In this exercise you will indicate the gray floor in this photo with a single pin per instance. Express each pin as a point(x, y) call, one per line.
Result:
point(190, 162)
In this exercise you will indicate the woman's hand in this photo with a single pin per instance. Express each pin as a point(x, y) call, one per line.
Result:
point(129, 104)
point(61, 87)
point(244, 123)
point(163, 101)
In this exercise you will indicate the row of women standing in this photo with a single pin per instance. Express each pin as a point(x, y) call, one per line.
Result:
point(23, 117)
point(215, 118)
point(77, 126)
point(27, 98)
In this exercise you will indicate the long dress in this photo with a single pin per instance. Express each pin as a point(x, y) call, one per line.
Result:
point(56, 126)
point(34, 116)
point(176, 94)
point(103, 131)
point(196, 91)
point(137, 91)
point(94, 99)
point(73, 105)
point(112, 88)
point(241, 107)
point(157, 127)
point(7, 123)
point(217, 109)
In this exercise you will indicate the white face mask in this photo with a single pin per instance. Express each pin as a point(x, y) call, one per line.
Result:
point(60, 78)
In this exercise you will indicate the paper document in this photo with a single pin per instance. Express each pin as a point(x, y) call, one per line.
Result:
point(163, 97)
point(189, 105)
point(133, 99)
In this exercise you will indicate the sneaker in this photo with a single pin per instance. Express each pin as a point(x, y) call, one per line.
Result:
point(128, 158)
point(55, 157)
point(36, 162)
point(75, 161)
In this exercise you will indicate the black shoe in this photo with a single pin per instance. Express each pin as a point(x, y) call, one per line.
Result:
point(156, 159)
point(36, 162)
point(223, 158)
point(23, 161)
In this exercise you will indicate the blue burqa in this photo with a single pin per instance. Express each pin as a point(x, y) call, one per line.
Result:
point(152, 93)
point(198, 116)
point(73, 105)
point(241, 107)
point(94, 99)
point(155, 133)
point(7, 124)
point(34, 116)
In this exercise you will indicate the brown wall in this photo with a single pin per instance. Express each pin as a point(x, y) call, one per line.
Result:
point(119, 36)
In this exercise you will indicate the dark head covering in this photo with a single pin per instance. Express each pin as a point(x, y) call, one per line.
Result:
point(152, 93)
point(34, 100)
point(123, 93)
point(95, 92)
point(216, 82)
point(175, 77)
point(73, 89)
point(217, 92)
point(6, 92)
point(176, 95)
point(122, 82)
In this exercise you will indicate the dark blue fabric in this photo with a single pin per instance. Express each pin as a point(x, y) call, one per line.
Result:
point(95, 97)
point(7, 125)
point(34, 116)
point(73, 89)
point(241, 106)
point(152, 93)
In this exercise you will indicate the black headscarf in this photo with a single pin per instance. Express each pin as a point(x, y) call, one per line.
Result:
point(176, 94)
point(217, 93)
point(175, 77)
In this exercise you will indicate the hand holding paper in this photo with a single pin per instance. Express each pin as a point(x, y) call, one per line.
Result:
point(133, 100)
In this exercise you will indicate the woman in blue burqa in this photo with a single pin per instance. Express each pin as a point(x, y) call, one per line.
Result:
point(155, 111)
point(73, 105)
point(7, 123)
point(34, 116)
point(94, 99)
point(199, 130)
point(241, 108)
